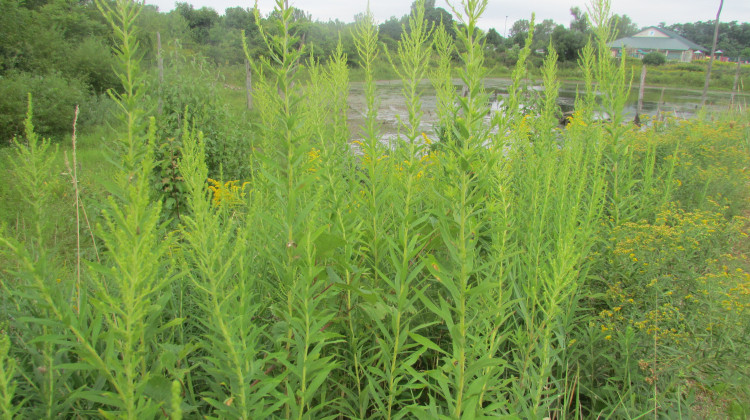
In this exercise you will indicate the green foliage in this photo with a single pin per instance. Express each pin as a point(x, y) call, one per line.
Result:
point(568, 43)
point(58, 52)
point(7, 381)
point(733, 39)
point(654, 59)
point(92, 61)
point(509, 268)
point(199, 21)
point(55, 96)
point(29, 289)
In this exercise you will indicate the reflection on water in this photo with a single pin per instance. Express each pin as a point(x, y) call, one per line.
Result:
point(682, 103)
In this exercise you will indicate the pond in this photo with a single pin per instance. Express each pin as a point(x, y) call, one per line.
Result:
point(681, 103)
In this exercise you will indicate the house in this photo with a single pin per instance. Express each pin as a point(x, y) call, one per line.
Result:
point(664, 41)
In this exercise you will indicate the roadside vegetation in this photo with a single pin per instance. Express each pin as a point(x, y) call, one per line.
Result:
point(192, 259)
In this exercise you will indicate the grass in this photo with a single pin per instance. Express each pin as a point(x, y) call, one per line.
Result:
point(505, 267)
point(682, 75)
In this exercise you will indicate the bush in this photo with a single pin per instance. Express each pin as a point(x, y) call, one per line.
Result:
point(654, 59)
point(55, 99)
point(92, 61)
point(189, 94)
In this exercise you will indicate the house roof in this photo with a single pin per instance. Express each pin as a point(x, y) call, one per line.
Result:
point(672, 41)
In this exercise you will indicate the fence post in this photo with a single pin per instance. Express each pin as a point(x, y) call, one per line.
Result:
point(641, 90)
point(160, 60)
point(249, 84)
point(736, 82)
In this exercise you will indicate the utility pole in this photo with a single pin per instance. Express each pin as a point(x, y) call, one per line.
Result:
point(713, 53)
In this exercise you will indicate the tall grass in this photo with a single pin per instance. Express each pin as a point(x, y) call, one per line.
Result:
point(508, 267)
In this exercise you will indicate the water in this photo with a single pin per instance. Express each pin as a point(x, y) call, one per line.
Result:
point(681, 103)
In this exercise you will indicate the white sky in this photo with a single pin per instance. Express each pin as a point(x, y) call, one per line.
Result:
point(642, 12)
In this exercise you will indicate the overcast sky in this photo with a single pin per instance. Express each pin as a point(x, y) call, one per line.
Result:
point(642, 12)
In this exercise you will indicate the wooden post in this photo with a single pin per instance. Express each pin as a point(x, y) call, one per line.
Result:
point(736, 82)
point(249, 84)
point(661, 102)
point(640, 96)
point(160, 60)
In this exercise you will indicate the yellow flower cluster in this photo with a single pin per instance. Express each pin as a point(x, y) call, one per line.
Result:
point(576, 120)
point(313, 160)
point(707, 155)
point(669, 281)
point(675, 237)
point(229, 193)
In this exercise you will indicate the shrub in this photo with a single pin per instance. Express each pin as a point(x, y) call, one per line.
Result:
point(55, 98)
point(92, 62)
point(189, 95)
point(654, 59)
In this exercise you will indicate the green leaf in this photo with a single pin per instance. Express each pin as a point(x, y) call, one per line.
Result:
point(159, 389)
point(326, 244)
point(426, 342)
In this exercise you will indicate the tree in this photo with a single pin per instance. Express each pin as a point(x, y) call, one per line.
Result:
point(543, 33)
point(733, 36)
point(390, 29)
point(199, 21)
point(518, 32)
point(494, 39)
point(437, 16)
point(624, 26)
point(580, 22)
point(240, 18)
point(567, 43)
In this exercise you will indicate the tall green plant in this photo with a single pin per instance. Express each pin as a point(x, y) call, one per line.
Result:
point(130, 289)
point(294, 253)
point(394, 380)
point(562, 187)
point(442, 81)
point(515, 105)
point(464, 296)
point(35, 293)
point(372, 150)
point(229, 299)
point(8, 408)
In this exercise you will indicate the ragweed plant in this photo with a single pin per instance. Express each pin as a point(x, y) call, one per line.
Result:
point(462, 294)
point(130, 290)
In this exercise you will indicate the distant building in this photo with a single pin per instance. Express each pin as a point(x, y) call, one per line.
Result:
point(673, 46)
